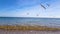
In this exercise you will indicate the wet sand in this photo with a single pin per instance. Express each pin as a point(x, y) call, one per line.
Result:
point(28, 32)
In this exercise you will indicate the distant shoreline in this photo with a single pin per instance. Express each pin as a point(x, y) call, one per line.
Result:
point(29, 17)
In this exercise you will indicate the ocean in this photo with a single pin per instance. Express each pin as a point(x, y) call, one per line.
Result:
point(30, 21)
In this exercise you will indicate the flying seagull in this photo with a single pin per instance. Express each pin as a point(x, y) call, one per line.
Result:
point(27, 13)
point(37, 15)
point(44, 6)
point(48, 5)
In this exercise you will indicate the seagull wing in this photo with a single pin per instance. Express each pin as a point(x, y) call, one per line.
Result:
point(43, 6)
point(48, 5)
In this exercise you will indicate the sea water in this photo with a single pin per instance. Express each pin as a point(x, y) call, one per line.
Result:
point(30, 21)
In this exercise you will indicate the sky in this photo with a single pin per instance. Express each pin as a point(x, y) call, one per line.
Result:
point(29, 8)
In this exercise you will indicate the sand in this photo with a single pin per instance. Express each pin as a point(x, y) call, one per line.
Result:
point(28, 32)
point(37, 28)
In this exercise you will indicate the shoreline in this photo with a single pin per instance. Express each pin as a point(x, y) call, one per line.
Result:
point(24, 28)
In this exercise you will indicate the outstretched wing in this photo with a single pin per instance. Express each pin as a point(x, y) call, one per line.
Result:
point(48, 5)
point(43, 6)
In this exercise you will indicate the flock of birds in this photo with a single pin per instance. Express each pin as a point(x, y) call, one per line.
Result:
point(42, 7)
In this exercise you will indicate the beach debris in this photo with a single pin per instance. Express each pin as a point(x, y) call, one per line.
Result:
point(31, 31)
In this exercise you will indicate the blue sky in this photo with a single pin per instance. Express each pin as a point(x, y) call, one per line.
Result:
point(20, 8)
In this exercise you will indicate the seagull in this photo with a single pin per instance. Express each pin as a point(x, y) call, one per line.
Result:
point(37, 15)
point(44, 6)
point(27, 13)
point(48, 5)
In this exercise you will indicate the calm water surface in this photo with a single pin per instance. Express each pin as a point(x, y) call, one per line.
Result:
point(30, 21)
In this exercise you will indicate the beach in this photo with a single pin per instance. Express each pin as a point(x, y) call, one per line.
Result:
point(15, 25)
point(28, 32)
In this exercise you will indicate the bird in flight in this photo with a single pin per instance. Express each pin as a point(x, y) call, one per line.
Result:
point(44, 6)
point(37, 15)
point(27, 13)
